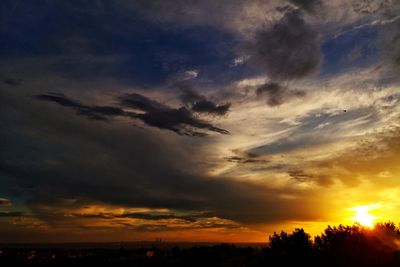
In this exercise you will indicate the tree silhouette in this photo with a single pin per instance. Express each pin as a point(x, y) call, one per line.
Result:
point(337, 246)
point(358, 246)
point(287, 248)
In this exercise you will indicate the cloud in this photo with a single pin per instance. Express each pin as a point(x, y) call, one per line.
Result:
point(12, 81)
point(205, 223)
point(147, 216)
point(390, 44)
point(52, 156)
point(373, 155)
point(307, 177)
point(200, 104)
point(12, 214)
point(368, 7)
point(308, 5)
point(282, 157)
point(288, 50)
point(230, 15)
point(183, 76)
point(180, 121)
point(206, 106)
point(245, 157)
point(5, 202)
point(156, 217)
point(276, 94)
point(92, 112)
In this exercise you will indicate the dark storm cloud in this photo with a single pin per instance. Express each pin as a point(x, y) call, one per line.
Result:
point(180, 121)
point(11, 81)
point(199, 103)
point(308, 5)
point(206, 106)
point(51, 156)
point(277, 94)
point(162, 188)
point(289, 49)
point(274, 93)
point(92, 112)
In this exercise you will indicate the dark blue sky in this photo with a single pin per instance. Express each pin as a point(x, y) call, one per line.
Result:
point(81, 35)
point(96, 38)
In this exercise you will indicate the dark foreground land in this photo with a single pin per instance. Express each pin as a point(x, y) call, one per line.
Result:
point(337, 246)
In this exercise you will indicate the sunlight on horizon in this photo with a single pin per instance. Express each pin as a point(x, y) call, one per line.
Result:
point(363, 216)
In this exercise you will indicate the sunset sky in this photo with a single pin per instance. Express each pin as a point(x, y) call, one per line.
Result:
point(196, 120)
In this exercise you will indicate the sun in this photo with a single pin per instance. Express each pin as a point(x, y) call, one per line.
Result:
point(363, 216)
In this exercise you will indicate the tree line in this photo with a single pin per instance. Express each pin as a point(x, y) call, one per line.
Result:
point(339, 246)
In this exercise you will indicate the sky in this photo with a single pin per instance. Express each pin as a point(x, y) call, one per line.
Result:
point(196, 120)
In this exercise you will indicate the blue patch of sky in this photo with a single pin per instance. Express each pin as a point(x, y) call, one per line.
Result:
point(328, 126)
point(352, 49)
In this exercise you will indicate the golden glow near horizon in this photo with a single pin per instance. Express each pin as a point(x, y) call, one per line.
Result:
point(362, 215)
